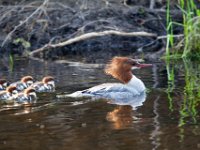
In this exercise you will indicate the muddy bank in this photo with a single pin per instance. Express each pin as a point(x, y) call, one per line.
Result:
point(25, 27)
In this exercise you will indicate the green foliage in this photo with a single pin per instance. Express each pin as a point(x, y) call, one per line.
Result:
point(191, 26)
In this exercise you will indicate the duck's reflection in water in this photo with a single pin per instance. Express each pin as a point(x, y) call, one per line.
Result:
point(122, 117)
point(125, 114)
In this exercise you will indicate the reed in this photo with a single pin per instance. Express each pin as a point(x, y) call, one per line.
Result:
point(169, 29)
point(191, 27)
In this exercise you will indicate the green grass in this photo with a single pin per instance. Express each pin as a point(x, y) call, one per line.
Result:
point(188, 49)
point(191, 27)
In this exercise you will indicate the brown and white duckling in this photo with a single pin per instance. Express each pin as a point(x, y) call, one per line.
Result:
point(46, 85)
point(8, 93)
point(26, 97)
point(3, 84)
point(24, 83)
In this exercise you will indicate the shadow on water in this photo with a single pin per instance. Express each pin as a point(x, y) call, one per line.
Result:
point(168, 119)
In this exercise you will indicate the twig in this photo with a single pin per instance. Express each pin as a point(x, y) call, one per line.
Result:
point(165, 36)
point(152, 4)
point(5, 14)
point(23, 22)
point(63, 6)
point(92, 35)
point(147, 45)
point(158, 38)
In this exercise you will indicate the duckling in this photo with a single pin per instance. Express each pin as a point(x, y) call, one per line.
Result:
point(46, 85)
point(24, 83)
point(26, 97)
point(8, 93)
point(3, 84)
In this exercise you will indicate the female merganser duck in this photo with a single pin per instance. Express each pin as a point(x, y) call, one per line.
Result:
point(24, 83)
point(26, 97)
point(130, 92)
point(3, 84)
point(46, 85)
point(8, 93)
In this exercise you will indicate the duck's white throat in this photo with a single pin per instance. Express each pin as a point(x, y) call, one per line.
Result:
point(136, 84)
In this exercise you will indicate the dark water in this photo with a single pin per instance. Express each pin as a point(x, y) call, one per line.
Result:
point(169, 118)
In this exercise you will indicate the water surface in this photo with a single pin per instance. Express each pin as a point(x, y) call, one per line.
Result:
point(168, 119)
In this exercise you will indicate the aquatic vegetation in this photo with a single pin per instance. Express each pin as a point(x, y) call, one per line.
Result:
point(190, 98)
point(171, 83)
point(188, 47)
point(191, 30)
